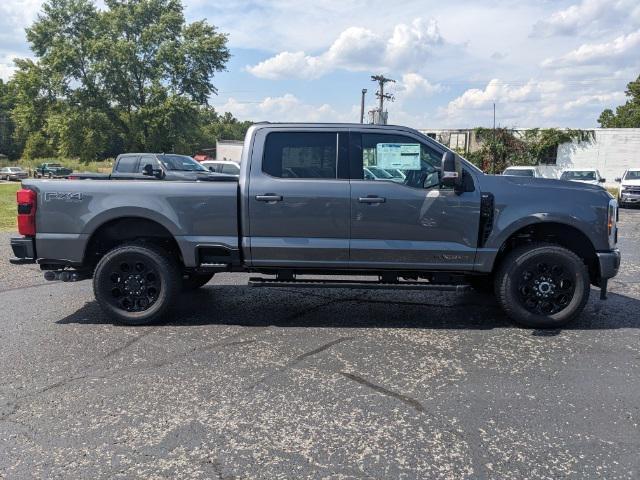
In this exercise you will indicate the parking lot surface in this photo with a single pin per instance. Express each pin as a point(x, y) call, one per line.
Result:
point(258, 383)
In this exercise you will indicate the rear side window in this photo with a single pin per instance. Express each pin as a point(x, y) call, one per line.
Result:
point(127, 164)
point(300, 155)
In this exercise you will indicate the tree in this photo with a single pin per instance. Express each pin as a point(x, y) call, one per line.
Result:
point(627, 115)
point(131, 76)
point(8, 145)
point(503, 147)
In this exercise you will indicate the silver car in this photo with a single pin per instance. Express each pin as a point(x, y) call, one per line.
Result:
point(13, 173)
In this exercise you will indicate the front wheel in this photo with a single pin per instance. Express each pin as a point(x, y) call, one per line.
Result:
point(542, 285)
point(136, 284)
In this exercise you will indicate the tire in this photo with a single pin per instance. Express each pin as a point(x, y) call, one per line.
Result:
point(193, 281)
point(136, 284)
point(558, 297)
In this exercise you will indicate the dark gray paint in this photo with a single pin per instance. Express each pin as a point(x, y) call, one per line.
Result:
point(321, 223)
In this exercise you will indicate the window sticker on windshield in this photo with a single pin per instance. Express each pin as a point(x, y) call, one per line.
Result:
point(403, 156)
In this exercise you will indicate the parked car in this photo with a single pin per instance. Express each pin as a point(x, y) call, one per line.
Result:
point(629, 187)
point(589, 176)
point(222, 166)
point(304, 205)
point(152, 166)
point(52, 170)
point(13, 173)
point(522, 172)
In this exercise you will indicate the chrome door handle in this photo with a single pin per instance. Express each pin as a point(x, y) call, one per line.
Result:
point(372, 199)
point(269, 197)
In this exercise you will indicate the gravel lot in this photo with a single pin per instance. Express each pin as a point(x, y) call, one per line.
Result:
point(256, 383)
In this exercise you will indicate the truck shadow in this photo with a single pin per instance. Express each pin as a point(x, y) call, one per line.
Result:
point(340, 308)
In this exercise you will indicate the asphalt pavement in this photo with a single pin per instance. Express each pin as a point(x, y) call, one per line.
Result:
point(257, 383)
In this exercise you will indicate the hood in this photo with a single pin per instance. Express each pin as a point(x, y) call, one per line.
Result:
point(629, 183)
point(197, 176)
point(548, 183)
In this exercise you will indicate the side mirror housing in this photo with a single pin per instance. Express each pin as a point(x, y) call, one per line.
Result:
point(450, 170)
point(149, 171)
point(602, 180)
point(618, 179)
point(211, 169)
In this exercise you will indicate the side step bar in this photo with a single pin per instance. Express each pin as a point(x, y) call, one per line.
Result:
point(269, 282)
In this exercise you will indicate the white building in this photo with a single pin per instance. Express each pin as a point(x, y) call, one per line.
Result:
point(230, 150)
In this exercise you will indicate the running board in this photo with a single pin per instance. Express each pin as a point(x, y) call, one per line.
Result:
point(269, 282)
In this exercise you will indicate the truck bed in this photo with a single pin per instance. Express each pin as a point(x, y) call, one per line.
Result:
point(196, 214)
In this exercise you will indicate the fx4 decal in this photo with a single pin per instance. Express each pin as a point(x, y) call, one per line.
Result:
point(64, 196)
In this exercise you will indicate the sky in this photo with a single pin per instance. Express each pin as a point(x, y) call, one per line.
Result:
point(543, 63)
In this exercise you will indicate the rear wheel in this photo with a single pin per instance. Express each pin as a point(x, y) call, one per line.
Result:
point(542, 285)
point(136, 284)
point(193, 281)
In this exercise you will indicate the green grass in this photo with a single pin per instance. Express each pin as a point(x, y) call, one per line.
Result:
point(8, 209)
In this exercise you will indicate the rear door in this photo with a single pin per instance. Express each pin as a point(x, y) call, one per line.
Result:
point(298, 198)
point(408, 221)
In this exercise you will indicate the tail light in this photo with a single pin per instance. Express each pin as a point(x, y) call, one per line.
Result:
point(27, 202)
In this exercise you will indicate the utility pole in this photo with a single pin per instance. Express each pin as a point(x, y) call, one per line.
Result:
point(364, 92)
point(493, 157)
point(381, 79)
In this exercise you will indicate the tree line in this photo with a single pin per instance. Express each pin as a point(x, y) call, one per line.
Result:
point(131, 76)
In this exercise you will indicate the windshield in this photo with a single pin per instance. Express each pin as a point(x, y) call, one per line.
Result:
point(56, 165)
point(395, 173)
point(518, 172)
point(579, 175)
point(632, 175)
point(181, 163)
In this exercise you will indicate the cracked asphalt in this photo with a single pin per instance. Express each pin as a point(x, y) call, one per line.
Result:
point(259, 383)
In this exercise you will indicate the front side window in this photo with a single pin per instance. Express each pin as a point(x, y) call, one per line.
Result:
point(148, 160)
point(300, 155)
point(400, 159)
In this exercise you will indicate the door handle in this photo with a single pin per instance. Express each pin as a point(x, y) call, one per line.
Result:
point(269, 197)
point(372, 199)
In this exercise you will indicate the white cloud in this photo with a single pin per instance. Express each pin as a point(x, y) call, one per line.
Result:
point(589, 17)
point(534, 103)
point(624, 47)
point(357, 49)
point(415, 85)
point(286, 108)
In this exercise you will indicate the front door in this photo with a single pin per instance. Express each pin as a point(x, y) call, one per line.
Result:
point(401, 217)
point(299, 199)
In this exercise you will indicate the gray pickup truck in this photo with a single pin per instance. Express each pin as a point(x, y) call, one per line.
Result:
point(303, 207)
point(152, 166)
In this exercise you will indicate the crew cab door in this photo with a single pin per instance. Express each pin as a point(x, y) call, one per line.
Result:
point(401, 217)
point(298, 198)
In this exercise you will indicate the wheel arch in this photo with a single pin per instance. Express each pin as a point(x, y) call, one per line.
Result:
point(555, 232)
point(120, 230)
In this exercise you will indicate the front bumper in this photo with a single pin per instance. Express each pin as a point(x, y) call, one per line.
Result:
point(24, 250)
point(629, 197)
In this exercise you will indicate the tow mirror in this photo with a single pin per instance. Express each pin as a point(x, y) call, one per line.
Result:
point(450, 171)
point(211, 169)
point(618, 180)
point(602, 180)
point(149, 171)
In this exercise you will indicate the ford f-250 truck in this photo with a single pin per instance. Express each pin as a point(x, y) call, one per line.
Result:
point(303, 206)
